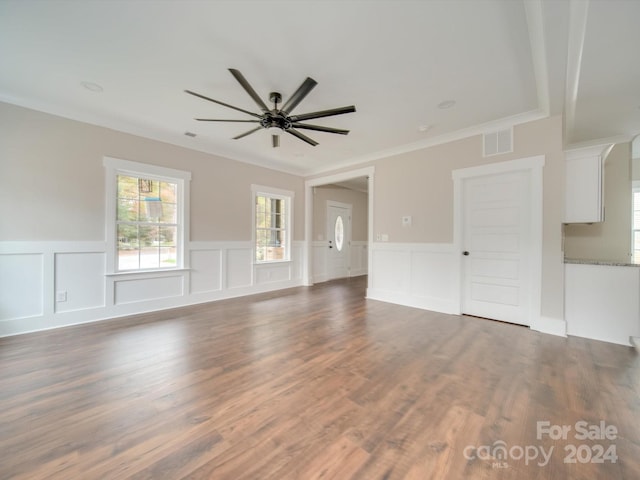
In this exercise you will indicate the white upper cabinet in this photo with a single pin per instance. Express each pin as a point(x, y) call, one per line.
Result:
point(584, 184)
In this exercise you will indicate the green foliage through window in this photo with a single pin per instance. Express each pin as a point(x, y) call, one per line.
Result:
point(271, 228)
point(147, 223)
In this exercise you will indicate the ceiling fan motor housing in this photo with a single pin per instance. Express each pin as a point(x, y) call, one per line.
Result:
point(275, 119)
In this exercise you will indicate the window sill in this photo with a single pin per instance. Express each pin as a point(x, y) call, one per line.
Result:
point(146, 273)
point(272, 262)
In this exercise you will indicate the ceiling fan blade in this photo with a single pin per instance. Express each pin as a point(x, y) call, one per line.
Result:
point(247, 133)
point(323, 113)
point(295, 133)
point(319, 128)
point(222, 103)
point(275, 139)
point(296, 98)
point(249, 89)
point(219, 120)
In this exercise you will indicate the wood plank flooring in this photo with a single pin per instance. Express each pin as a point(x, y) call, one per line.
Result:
point(312, 383)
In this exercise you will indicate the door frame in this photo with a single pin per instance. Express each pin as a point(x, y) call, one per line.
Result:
point(347, 234)
point(533, 166)
point(307, 261)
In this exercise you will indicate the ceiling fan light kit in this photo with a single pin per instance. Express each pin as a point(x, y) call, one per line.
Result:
point(279, 120)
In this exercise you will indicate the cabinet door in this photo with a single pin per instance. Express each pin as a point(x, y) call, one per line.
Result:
point(583, 190)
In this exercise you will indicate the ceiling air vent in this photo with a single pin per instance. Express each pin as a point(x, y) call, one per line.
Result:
point(498, 142)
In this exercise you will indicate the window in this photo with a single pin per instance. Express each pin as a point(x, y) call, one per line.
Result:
point(147, 223)
point(339, 233)
point(146, 215)
point(272, 224)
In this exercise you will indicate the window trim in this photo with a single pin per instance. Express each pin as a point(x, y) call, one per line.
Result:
point(287, 196)
point(115, 167)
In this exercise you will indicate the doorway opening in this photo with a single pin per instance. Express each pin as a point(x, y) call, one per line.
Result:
point(338, 226)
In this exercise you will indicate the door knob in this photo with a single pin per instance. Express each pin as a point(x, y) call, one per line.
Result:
point(465, 253)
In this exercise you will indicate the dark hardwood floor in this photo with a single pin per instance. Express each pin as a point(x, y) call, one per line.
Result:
point(313, 383)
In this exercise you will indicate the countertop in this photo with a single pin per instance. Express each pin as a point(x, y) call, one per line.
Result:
point(607, 263)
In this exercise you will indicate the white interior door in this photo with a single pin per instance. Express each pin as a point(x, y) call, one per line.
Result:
point(496, 246)
point(339, 239)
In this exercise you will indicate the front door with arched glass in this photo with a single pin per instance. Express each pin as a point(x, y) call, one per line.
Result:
point(338, 239)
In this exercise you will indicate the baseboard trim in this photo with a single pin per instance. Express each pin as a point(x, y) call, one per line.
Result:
point(551, 326)
point(359, 273)
point(439, 305)
point(39, 323)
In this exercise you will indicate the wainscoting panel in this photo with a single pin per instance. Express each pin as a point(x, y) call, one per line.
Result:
point(148, 288)
point(432, 274)
point(206, 270)
point(272, 273)
point(359, 258)
point(79, 278)
point(47, 285)
point(296, 257)
point(21, 285)
point(417, 275)
point(239, 263)
point(319, 267)
point(391, 269)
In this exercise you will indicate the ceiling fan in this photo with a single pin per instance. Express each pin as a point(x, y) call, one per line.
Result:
point(278, 120)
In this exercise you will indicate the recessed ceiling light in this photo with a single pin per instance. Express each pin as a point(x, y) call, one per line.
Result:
point(93, 87)
point(424, 128)
point(446, 104)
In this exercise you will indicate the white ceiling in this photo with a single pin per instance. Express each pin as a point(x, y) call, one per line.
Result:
point(502, 61)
